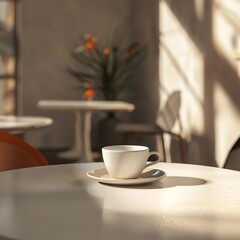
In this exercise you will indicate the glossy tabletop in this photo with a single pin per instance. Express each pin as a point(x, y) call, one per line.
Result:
point(81, 148)
point(61, 202)
point(23, 123)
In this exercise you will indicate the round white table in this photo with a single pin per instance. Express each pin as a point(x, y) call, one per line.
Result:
point(61, 202)
point(23, 123)
point(81, 148)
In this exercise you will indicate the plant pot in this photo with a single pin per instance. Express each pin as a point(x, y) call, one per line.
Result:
point(107, 133)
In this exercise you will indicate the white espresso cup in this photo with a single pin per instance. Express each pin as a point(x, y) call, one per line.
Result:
point(126, 161)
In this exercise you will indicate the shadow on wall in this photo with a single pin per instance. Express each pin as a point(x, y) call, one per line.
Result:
point(217, 69)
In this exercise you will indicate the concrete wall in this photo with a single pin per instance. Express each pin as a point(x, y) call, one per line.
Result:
point(49, 28)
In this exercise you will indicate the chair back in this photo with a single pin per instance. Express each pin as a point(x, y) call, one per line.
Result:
point(170, 112)
point(233, 159)
point(16, 153)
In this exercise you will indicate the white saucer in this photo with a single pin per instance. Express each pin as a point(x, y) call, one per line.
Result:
point(148, 175)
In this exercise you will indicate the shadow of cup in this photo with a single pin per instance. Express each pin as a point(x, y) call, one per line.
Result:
point(174, 181)
point(167, 182)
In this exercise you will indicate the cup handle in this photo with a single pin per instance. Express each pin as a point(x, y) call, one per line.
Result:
point(155, 156)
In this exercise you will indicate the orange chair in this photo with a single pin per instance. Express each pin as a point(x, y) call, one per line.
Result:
point(16, 153)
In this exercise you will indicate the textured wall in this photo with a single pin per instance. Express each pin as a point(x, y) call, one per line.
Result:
point(198, 46)
point(50, 27)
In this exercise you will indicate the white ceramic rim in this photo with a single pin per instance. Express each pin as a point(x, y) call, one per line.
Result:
point(125, 148)
point(102, 176)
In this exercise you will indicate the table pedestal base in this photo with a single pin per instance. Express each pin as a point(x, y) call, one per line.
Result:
point(81, 150)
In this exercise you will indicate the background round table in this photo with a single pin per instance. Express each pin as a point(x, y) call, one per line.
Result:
point(82, 147)
point(61, 202)
point(23, 123)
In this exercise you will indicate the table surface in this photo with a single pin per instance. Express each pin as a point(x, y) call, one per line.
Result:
point(61, 202)
point(12, 123)
point(86, 105)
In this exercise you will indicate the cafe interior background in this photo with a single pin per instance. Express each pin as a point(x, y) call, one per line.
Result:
point(192, 46)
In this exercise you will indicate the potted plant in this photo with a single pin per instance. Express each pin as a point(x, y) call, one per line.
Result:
point(105, 71)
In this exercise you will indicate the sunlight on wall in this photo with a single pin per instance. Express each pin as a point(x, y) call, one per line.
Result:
point(226, 29)
point(7, 97)
point(226, 37)
point(181, 67)
point(7, 61)
point(7, 88)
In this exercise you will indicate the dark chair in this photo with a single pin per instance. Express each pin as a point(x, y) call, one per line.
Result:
point(233, 158)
